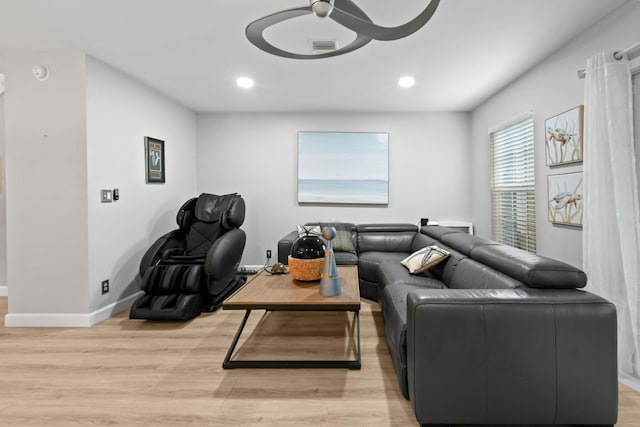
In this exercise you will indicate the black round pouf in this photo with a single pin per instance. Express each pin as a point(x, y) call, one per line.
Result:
point(308, 247)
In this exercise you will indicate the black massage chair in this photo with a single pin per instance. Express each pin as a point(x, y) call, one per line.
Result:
point(193, 269)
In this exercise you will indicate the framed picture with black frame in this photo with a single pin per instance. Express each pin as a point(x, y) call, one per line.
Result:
point(154, 160)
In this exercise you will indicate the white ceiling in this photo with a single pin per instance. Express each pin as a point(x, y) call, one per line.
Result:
point(193, 50)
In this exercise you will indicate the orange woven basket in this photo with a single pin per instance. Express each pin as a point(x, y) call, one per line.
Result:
point(306, 269)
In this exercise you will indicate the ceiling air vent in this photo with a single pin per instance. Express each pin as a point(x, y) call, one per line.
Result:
point(323, 46)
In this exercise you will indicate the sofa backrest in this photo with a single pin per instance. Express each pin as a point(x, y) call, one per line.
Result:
point(530, 269)
point(464, 242)
point(422, 241)
point(445, 269)
point(534, 270)
point(470, 274)
point(385, 237)
point(437, 231)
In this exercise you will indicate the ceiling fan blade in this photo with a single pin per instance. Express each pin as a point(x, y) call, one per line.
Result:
point(255, 30)
point(345, 17)
point(351, 8)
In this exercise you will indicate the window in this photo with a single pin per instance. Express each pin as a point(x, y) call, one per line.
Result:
point(513, 195)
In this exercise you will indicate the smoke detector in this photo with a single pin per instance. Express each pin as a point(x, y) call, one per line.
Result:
point(40, 72)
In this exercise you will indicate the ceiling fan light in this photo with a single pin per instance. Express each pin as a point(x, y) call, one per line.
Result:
point(406, 81)
point(322, 8)
point(245, 82)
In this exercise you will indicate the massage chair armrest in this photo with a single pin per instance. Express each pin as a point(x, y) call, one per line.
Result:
point(284, 247)
point(156, 251)
point(511, 356)
point(224, 256)
point(169, 253)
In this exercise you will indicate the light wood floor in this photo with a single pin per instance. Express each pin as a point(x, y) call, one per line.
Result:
point(140, 373)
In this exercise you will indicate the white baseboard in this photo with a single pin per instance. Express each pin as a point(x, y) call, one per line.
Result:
point(115, 308)
point(68, 320)
point(4, 291)
point(632, 383)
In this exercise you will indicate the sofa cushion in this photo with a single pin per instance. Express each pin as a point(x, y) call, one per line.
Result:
point(368, 262)
point(345, 258)
point(464, 242)
point(385, 241)
point(534, 270)
point(343, 242)
point(437, 231)
point(309, 230)
point(393, 303)
point(394, 273)
point(470, 274)
point(420, 241)
point(394, 283)
point(368, 228)
point(425, 258)
point(343, 229)
point(444, 270)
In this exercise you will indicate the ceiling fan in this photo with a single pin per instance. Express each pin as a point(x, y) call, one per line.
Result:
point(345, 13)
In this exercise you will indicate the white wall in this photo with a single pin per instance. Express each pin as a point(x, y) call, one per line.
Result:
point(78, 131)
point(548, 89)
point(46, 187)
point(120, 113)
point(3, 204)
point(255, 155)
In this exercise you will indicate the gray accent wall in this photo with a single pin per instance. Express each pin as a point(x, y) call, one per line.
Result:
point(256, 156)
point(548, 89)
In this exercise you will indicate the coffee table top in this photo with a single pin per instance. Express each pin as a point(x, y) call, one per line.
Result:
point(283, 292)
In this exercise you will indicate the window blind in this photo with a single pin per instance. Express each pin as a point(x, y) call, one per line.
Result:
point(513, 212)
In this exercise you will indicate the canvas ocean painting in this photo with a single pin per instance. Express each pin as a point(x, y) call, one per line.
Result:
point(343, 167)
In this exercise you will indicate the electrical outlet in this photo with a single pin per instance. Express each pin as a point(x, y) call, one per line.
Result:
point(268, 253)
point(105, 286)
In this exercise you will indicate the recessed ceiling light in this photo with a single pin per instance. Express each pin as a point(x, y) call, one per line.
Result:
point(245, 82)
point(406, 81)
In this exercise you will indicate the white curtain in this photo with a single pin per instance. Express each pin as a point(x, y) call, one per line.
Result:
point(611, 234)
point(636, 115)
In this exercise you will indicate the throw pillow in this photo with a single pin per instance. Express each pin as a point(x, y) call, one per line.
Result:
point(311, 230)
point(342, 242)
point(424, 259)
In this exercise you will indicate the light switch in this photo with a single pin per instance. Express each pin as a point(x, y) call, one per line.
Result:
point(106, 196)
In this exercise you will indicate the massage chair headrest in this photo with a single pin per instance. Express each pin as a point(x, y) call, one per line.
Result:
point(228, 208)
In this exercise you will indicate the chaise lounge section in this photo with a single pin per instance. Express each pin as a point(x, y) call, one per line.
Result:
point(492, 335)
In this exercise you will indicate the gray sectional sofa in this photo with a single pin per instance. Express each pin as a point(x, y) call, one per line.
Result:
point(492, 335)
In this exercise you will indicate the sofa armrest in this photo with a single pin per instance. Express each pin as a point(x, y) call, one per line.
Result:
point(284, 247)
point(511, 356)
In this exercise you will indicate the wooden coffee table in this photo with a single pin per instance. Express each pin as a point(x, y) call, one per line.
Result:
point(282, 292)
